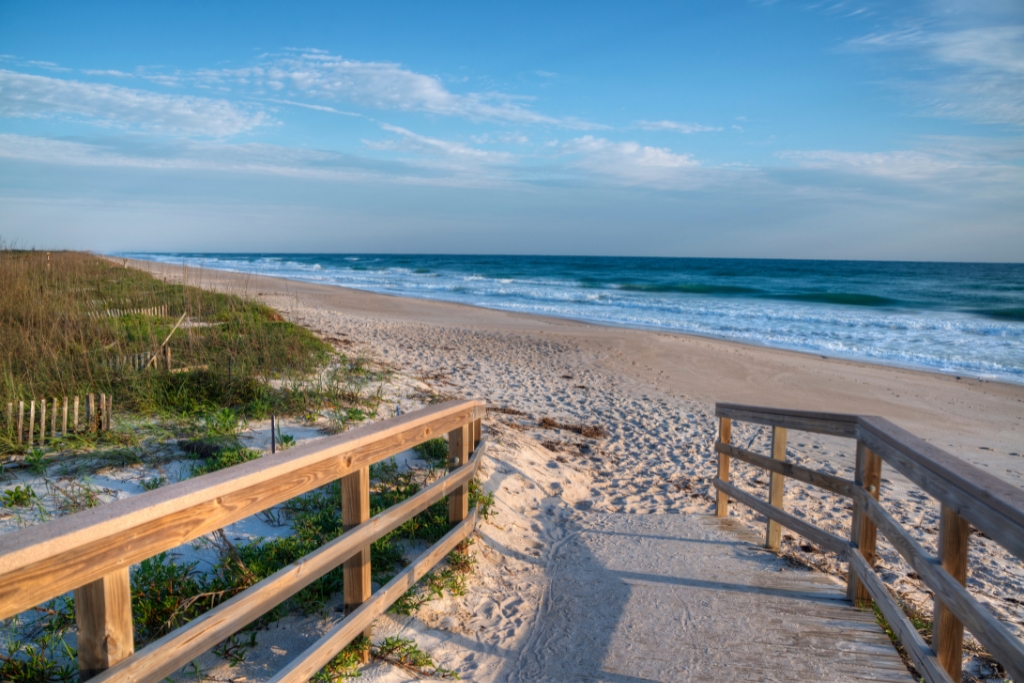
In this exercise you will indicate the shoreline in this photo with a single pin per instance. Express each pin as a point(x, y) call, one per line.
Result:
point(854, 333)
point(981, 412)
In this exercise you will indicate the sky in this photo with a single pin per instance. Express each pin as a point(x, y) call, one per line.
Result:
point(841, 130)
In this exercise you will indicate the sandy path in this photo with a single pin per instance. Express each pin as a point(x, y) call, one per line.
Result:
point(653, 393)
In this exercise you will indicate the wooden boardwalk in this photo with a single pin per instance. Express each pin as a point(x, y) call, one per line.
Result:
point(693, 598)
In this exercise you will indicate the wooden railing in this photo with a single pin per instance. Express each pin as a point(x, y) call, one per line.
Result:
point(90, 552)
point(968, 497)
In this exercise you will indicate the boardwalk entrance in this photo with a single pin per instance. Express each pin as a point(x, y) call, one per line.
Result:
point(693, 598)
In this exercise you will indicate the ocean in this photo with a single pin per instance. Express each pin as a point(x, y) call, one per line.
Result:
point(957, 318)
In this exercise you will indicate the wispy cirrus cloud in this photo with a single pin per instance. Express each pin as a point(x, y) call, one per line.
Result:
point(380, 85)
point(677, 127)
point(976, 73)
point(447, 149)
point(26, 95)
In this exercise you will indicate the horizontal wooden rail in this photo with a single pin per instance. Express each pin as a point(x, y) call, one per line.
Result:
point(838, 485)
point(323, 651)
point(968, 495)
point(919, 651)
point(837, 424)
point(808, 531)
point(163, 657)
point(47, 560)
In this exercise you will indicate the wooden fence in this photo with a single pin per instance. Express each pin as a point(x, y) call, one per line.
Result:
point(968, 497)
point(119, 312)
point(98, 410)
point(90, 552)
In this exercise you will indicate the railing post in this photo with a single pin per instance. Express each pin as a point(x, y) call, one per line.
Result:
point(103, 612)
point(954, 538)
point(863, 532)
point(773, 534)
point(725, 436)
point(458, 454)
point(355, 509)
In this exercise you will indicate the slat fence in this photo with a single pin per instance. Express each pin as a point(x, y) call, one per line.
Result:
point(968, 496)
point(90, 552)
point(64, 417)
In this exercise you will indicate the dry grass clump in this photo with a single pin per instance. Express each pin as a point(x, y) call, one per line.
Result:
point(589, 431)
point(59, 341)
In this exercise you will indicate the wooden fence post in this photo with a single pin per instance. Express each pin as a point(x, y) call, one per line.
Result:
point(863, 532)
point(103, 612)
point(31, 422)
point(167, 357)
point(21, 421)
point(76, 414)
point(355, 509)
point(42, 421)
point(64, 422)
point(53, 419)
point(458, 454)
point(101, 413)
point(89, 411)
point(954, 539)
point(108, 412)
point(725, 436)
point(776, 489)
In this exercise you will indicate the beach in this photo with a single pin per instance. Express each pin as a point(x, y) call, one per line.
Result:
point(649, 398)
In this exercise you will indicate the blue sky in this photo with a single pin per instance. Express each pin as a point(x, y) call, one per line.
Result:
point(750, 129)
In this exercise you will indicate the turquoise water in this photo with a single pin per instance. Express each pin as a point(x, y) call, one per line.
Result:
point(959, 318)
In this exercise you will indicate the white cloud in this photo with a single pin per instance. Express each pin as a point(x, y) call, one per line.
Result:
point(982, 69)
point(317, 107)
point(380, 85)
point(24, 95)
point(631, 162)
point(898, 165)
point(107, 72)
point(677, 127)
point(410, 141)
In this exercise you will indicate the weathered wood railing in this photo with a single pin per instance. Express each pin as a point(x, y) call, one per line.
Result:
point(968, 497)
point(90, 552)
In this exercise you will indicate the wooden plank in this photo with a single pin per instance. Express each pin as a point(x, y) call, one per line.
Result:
point(21, 421)
point(64, 421)
point(355, 509)
point(919, 652)
point(53, 419)
point(837, 485)
point(76, 414)
point(168, 654)
point(837, 424)
point(320, 653)
point(724, 439)
point(987, 503)
point(45, 560)
point(979, 620)
point(42, 421)
point(863, 533)
point(823, 538)
point(954, 540)
point(31, 422)
point(776, 489)
point(458, 453)
point(103, 613)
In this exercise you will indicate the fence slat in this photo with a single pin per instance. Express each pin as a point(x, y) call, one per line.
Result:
point(355, 509)
point(954, 539)
point(863, 532)
point(458, 453)
point(724, 438)
point(776, 489)
point(103, 612)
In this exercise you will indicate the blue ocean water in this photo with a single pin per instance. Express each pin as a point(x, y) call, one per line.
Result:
point(960, 318)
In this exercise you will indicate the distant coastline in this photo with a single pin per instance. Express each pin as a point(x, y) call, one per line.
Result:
point(961, 319)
